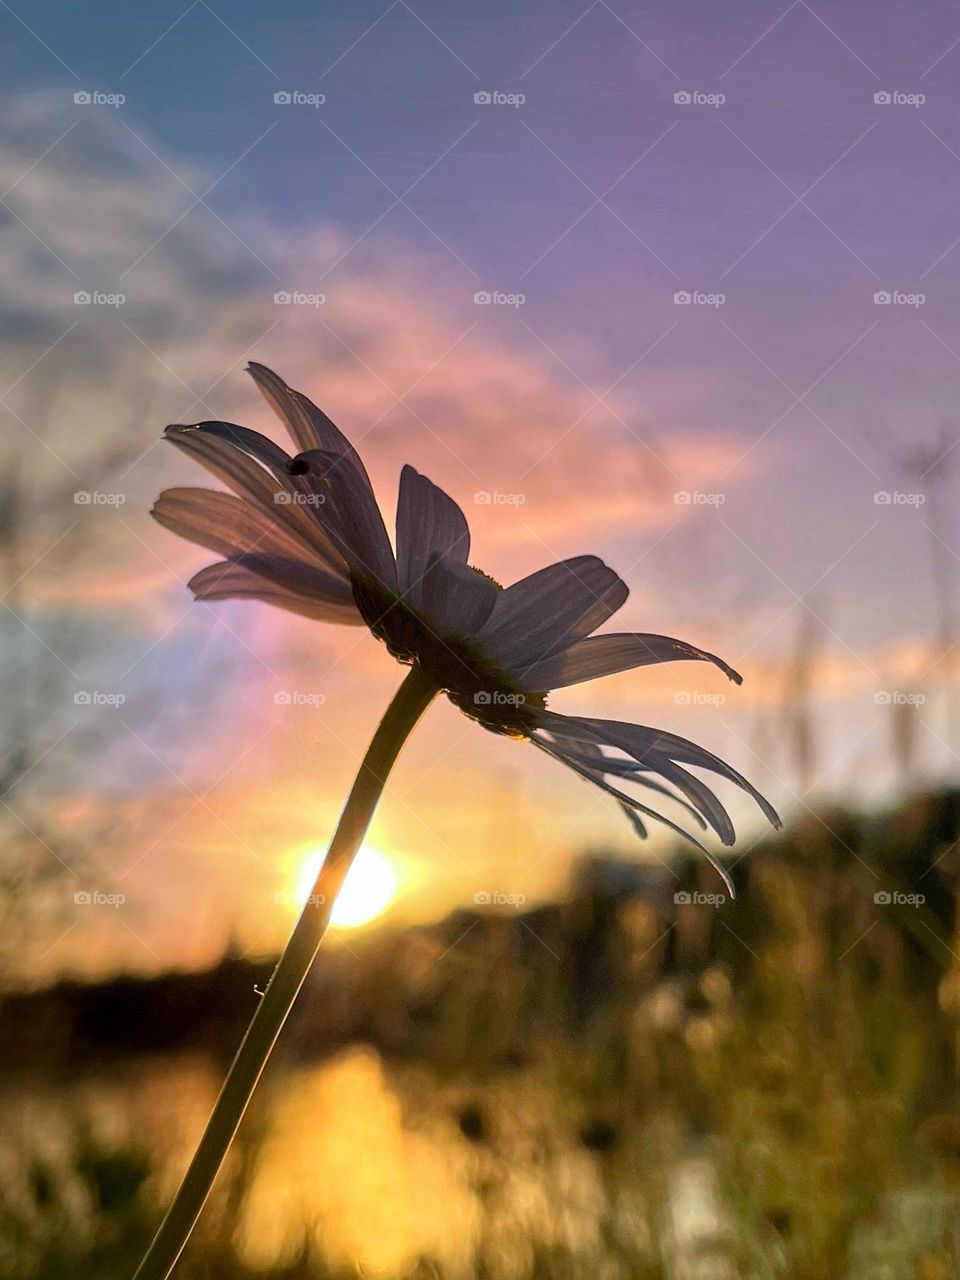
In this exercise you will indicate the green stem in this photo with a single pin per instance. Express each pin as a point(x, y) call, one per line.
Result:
point(408, 705)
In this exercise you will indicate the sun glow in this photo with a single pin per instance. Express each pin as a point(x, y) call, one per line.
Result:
point(368, 890)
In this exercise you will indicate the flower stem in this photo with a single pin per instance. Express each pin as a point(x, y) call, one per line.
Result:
point(408, 705)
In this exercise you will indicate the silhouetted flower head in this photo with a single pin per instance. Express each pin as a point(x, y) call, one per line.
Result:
point(305, 533)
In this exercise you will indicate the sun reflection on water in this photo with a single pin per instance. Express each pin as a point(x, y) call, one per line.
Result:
point(341, 1172)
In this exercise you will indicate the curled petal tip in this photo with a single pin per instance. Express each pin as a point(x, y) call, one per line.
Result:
point(259, 371)
point(725, 667)
point(724, 875)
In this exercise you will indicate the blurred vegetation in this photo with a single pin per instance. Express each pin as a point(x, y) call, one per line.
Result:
point(615, 1085)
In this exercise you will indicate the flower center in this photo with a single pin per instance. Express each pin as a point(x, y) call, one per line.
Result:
point(458, 667)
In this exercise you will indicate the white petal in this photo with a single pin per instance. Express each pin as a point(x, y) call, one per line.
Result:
point(655, 749)
point(456, 600)
point(597, 656)
point(309, 426)
point(429, 524)
point(229, 581)
point(257, 446)
point(698, 793)
point(227, 524)
point(549, 609)
point(626, 800)
point(631, 807)
point(349, 512)
point(224, 458)
point(591, 758)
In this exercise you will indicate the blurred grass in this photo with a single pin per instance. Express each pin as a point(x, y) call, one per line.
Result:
point(605, 1087)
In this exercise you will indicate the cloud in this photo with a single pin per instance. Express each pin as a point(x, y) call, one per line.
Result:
point(397, 352)
point(411, 367)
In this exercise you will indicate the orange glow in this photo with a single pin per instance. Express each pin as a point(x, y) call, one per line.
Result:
point(370, 886)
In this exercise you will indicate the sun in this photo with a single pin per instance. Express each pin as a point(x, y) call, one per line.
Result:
point(368, 890)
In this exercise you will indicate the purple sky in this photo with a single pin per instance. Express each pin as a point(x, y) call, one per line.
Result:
point(783, 197)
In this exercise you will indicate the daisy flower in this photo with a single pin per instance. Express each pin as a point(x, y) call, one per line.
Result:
point(305, 533)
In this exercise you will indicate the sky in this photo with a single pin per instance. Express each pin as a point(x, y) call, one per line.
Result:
point(670, 285)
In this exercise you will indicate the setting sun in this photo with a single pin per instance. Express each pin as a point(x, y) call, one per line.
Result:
point(368, 890)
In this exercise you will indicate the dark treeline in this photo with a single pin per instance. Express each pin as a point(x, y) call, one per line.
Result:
point(872, 898)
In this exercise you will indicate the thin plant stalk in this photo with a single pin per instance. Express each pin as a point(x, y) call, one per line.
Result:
point(408, 705)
